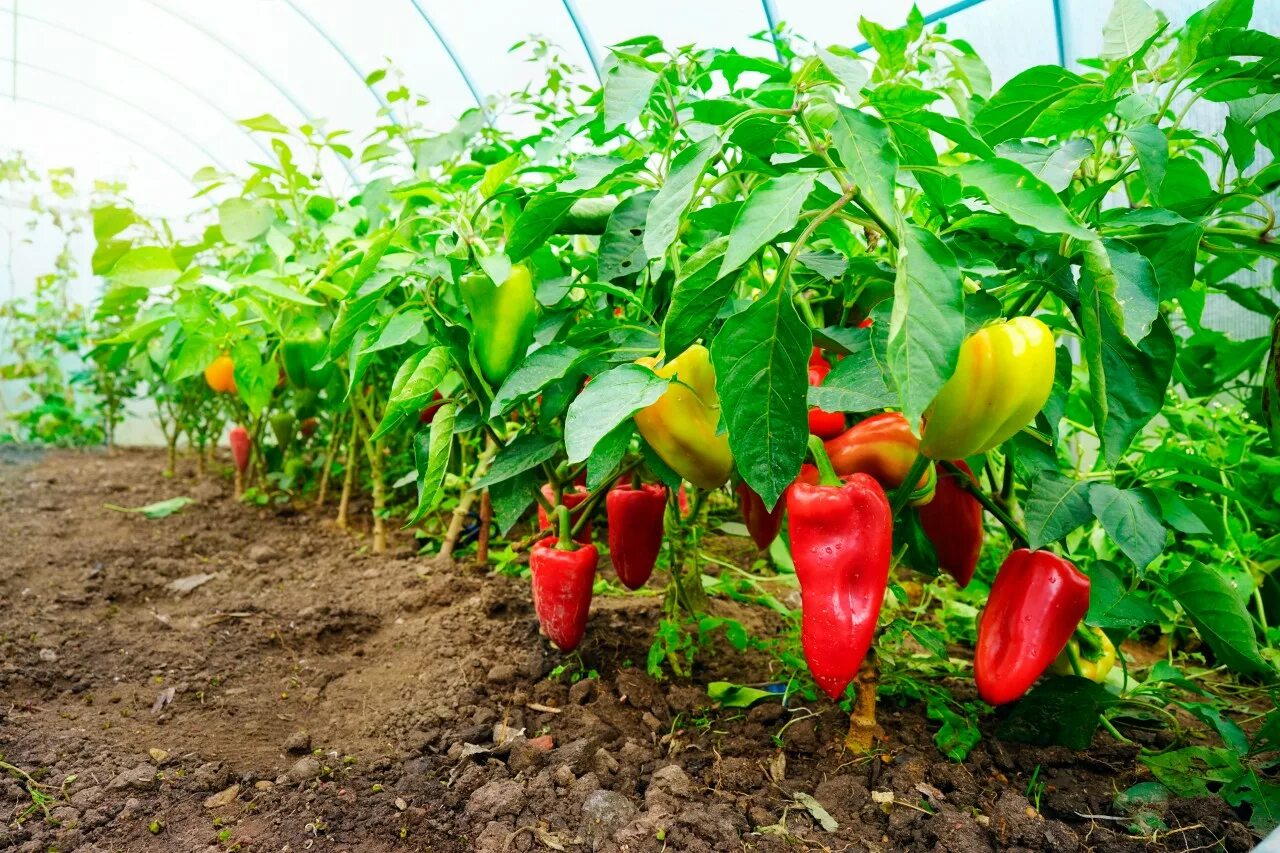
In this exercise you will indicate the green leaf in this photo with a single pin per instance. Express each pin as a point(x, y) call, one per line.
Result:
point(1056, 505)
point(1021, 196)
point(627, 86)
point(1219, 15)
point(281, 291)
point(1128, 27)
point(432, 448)
point(496, 175)
point(1060, 711)
point(400, 329)
point(1056, 165)
point(110, 220)
point(1130, 287)
point(730, 695)
point(1011, 111)
point(1137, 377)
point(853, 385)
point(867, 154)
point(846, 66)
point(761, 358)
point(1152, 148)
point(668, 207)
point(413, 388)
point(524, 453)
point(159, 509)
point(538, 221)
point(1132, 518)
point(243, 221)
point(771, 209)
point(511, 498)
point(927, 324)
point(622, 244)
point(147, 266)
point(1219, 617)
point(539, 369)
point(1113, 606)
point(609, 453)
point(611, 398)
point(266, 123)
point(829, 265)
point(697, 297)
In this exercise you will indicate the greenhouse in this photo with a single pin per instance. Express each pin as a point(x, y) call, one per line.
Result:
point(697, 426)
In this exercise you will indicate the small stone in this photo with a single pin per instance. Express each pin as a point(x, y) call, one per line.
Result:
point(262, 553)
point(502, 673)
point(211, 776)
point(582, 691)
point(604, 763)
point(604, 813)
point(264, 785)
point(298, 742)
point(87, 797)
point(131, 807)
point(577, 755)
point(223, 798)
point(159, 756)
point(48, 655)
point(563, 776)
point(140, 778)
point(304, 770)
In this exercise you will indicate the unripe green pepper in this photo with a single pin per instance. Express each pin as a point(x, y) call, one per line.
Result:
point(304, 345)
point(502, 320)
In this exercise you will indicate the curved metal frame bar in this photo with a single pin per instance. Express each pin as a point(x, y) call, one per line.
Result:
point(771, 18)
point(105, 128)
point(196, 93)
point(258, 69)
point(1059, 30)
point(346, 57)
point(447, 46)
point(195, 143)
point(584, 36)
point(933, 17)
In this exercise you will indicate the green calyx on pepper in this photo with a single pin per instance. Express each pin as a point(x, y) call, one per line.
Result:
point(681, 425)
point(1089, 654)
point(1003, 378)
point(503, 318)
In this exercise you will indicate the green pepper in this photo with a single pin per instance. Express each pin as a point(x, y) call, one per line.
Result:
point(304, 345)
point(502, 320)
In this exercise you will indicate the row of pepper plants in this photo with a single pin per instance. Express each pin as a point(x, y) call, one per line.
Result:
point(944, 346)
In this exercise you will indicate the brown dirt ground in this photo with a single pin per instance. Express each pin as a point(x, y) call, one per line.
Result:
point(408, 684)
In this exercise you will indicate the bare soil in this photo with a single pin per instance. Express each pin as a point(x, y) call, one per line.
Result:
point(234, 677)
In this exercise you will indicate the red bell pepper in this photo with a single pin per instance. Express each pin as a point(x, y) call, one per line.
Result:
point(822, 424)
point(635, 530)
point(882, 446)
point(953, 523)
point(1036, 602)
point(841, 544)
point(563, 576)
point(429, 413)
point(569, 498)
point(762, 524)
point(241, 444)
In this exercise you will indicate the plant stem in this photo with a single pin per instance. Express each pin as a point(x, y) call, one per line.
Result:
point(909, 484)
point(991, 506)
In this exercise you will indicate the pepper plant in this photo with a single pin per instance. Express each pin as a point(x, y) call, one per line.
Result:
point(991, 301)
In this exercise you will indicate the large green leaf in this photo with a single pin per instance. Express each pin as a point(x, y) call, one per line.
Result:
point(243, 220)
point(761, 357)
point(538, 221)
point(412, 390)
point(774, 207)
point(1152, 148)
point(1132, 518)
point(1128, 27)
point(855, 384)
point(610, 398)
point(627, 84)
point(524, 453)
point(1113, 606)
point(432, 448)
point(1220, 618)
point(1019, 103)
point(1056, 505)
point(1056, 165)
point(927, 325)
point(538, 370)
point(866, 153)
point(146, 266)
point(1021, 196)
point(621, 250)
point(697, 297)
point(668, 207)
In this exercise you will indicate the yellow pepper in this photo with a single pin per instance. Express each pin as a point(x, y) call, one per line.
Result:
point(681, 425)
point(1091, 663)
point(1002, 379)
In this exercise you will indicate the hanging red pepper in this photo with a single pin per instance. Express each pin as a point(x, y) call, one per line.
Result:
point(429, 413)
point(635, 530)
point(562, 580)
point(882, 446)
point(1036, 602)
point(822, 424)
point(241, 444)
point(841, 543)
point(953, 523)
point(762, 524)
point(569, 498)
